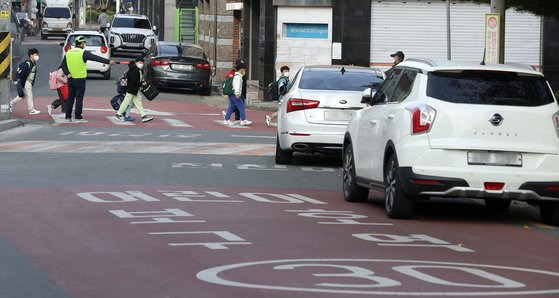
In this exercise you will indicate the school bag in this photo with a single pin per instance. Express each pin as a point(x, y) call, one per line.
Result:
point(228, 86)
point(117, 101)
point(53, 81)
point(274, 89)
point(20, 68)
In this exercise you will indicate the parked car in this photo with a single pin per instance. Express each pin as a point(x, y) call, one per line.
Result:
point(96, 43)
point(132, 34)
point(179, 66)
point(455, 129)
point(313, 114)
point(28, 27)
point(57, 21)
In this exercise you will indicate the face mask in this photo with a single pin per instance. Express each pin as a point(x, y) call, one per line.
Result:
point(286, 74)
point(140, 66)
point(36, 58)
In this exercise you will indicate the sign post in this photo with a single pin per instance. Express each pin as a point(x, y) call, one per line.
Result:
point(492, 38)
point(5, 58)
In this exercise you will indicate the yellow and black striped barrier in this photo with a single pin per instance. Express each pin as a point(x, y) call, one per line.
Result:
point(5, 55)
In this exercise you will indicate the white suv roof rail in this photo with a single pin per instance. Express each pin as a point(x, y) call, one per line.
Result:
point(424, 61)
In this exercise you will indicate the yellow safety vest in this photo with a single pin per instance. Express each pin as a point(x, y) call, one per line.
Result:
point(75, 63)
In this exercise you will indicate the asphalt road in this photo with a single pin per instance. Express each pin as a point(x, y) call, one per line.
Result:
point(186, 207)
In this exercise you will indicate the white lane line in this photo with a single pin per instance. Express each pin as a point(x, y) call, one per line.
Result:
point(220, 122)
point(176, 122)
point(134, 110)
point(116, 122)
point(256, 137)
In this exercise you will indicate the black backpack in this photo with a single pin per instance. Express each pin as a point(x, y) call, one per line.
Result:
point(274, 89)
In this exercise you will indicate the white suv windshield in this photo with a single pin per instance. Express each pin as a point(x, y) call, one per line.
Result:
point(57, 12)
point(131, 23)
point(489, 88)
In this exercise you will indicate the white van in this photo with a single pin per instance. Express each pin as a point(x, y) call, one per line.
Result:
point(57, 21)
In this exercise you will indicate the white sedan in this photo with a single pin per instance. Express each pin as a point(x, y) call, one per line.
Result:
point(97, 44)
point(314, 112)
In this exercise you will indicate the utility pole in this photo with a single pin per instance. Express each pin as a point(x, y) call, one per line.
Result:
point(5, 58)
point(117, 9)
point(499, 6)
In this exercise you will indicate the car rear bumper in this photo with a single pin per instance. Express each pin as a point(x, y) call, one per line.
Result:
point(52, 31)
point(179, 83)
point(312, 141)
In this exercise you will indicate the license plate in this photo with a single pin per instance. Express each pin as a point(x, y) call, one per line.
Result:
point(495, 159)
point(57, 30)
point(134, 45)
point(337, 115)
point(181, 67)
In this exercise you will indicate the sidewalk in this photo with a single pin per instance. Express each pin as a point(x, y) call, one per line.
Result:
point(10, 123)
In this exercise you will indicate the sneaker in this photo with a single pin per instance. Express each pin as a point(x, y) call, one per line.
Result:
point(49, 109)
point(119, 118)
point(62, 115)
point(10, 107)
point(246, 122)
point(146, 118)
point(268, 120)
point(68, 119)
point(34, 112)
point(128, 118)
point(223, 114)
point(227, 122)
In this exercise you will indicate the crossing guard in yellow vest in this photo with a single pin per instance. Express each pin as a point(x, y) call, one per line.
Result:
point(74, 66)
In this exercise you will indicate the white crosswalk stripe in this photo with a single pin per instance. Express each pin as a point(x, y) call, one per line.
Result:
point(176, 122)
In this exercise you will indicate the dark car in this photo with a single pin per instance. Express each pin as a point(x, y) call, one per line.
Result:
point(179, 66)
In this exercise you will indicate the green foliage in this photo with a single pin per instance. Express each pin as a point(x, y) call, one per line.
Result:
point(548, 8)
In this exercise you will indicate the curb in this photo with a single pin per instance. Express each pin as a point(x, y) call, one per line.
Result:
point(10, 123)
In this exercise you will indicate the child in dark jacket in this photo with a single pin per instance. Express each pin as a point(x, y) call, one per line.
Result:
point(135, 81)
point(26, 79)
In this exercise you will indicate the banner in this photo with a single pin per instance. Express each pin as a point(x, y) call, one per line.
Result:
point(492, 37)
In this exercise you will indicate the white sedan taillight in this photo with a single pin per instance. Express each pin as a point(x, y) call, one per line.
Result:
point(422, 117)
point(297, 104)
point(556, 122)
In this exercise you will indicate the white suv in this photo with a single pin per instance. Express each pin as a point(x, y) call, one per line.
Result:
point(132, 33)
point(441, 128)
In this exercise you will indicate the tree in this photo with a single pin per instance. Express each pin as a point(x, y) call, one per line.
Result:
point(548, 8)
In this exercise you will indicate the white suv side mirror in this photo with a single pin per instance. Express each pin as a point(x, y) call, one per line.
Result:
point(367, 96)
point(154, 28)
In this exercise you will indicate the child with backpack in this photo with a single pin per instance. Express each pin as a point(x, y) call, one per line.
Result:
point(58, 81)
point(277, 90)
point(26, 74)
point(233, 87)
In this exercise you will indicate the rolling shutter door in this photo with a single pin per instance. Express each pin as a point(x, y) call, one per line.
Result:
point(419, 30)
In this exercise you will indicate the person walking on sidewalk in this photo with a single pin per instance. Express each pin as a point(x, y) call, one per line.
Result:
point(26, 73)
point(59, 82)
point(135, 81)
point(74, 66)
point(283, 84)
point(235, 98)
point(103, 20)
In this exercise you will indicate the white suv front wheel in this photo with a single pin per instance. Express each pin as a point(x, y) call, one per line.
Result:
point(352, 191)
point(396, 203)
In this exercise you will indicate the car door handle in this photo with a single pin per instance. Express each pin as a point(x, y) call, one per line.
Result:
point(390, 116)
point(373, 122)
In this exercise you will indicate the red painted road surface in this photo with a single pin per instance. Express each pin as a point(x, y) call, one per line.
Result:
point(166, 241)
point(177, 115)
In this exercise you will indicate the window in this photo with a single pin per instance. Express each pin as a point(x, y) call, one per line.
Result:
point(181, 51)
point(90, 40)
point(389, 85)
point(489, 88)
point(404, 86)
point(131, 23)
point(336, 79)
point(57, 13)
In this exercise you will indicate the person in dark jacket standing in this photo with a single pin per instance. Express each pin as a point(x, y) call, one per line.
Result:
point(27, 74)
point(397, 57)
point(74, 66)
point(135, 81)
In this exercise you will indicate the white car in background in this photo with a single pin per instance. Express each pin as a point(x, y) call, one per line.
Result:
point(132, 34)
point(314, 112)
point(96, 43)
point(456, 129)
point(57, 21)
